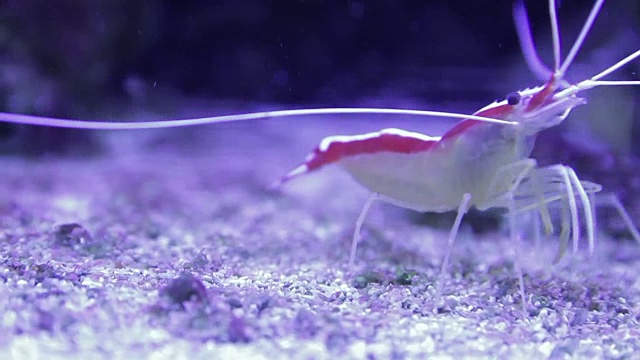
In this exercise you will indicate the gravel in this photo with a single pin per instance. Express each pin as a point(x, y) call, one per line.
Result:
point(181, 251)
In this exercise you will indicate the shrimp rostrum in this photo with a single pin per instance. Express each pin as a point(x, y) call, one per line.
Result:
point(477, 163)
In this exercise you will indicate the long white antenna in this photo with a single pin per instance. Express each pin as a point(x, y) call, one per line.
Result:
point(555, 34)
point(595, 80)
point(105, 125)
point(616, 66)
point(583, 34)
point(615, 83)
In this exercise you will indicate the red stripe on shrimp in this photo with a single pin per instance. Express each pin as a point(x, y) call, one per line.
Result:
point(494, 111)
point(335, 148)
point(544, 95)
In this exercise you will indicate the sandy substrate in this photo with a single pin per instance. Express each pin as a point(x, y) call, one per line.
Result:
point(163, 252)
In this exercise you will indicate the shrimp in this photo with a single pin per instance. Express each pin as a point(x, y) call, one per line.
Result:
point(482, 162)
point(475, 163)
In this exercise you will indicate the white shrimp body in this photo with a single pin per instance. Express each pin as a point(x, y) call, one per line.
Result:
point(435, 180)
point(426, 173)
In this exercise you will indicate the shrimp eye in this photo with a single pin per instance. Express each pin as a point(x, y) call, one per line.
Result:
point(513, 98)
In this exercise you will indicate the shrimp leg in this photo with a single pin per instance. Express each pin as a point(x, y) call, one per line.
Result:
point(546, 185)
point(512, 174)
point(543, 209)
point(356, 233)
point(462, 210)
point(613, 201)
point(515, 243)
point(564, 233)
point(516, 171)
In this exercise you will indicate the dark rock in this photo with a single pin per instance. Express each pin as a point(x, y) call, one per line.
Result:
point(404, 277)
point(185, 288)
point(72, 235)
point(362, 281)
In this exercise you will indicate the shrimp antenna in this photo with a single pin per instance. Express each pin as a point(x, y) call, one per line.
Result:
point(583, 34)
point(616, 66)
point(106, 125)
point(527, 46)
point(555, 34)
point(595, 80)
